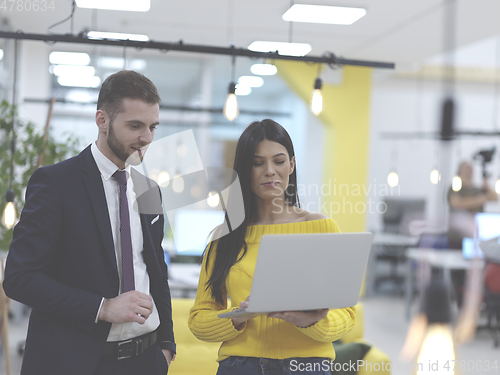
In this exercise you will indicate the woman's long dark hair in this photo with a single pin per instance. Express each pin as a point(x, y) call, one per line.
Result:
point(230, 245)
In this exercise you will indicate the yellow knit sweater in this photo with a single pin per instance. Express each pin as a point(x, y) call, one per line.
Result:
point(262, 336)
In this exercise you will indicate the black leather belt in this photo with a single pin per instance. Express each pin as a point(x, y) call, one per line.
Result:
point(130, 348)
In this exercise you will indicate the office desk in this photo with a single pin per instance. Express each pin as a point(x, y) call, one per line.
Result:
point(389, 247)
point(444, 259)
point(394, 239)
point(183, 277)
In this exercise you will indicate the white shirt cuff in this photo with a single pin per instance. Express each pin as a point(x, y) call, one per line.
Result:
point(98, 311)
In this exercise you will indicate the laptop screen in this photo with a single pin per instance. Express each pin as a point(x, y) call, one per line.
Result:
point(488, 227)
point(468, 250)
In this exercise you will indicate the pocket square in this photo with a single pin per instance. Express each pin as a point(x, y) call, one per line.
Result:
point(155, 219)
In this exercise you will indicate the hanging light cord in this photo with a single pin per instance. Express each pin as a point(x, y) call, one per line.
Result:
point(419, 101)
point(394, 156)
point(70, 17)
point(233, 68)
point(497, 84)
point(449, 47)
point(125, 55)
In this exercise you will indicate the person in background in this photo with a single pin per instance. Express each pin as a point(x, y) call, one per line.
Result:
point(89, 264)
point(281, 341)
point(464, 205)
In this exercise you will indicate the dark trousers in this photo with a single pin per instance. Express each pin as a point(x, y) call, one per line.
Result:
point(151, 362)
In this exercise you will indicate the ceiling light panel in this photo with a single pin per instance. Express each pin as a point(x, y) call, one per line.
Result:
point(323, 14)
point(250, 81)
point(69, 58)
point(290, 49)
point(117, 63)
point(128, 5)
point(264, 69)
point(111, 62)
point(243, 90)
point(137, 64)
point(117, 36)
point(72, 70)
point(75, 81)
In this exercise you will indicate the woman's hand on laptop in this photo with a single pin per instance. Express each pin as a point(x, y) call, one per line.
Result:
point(238, 321)
point(302, 319)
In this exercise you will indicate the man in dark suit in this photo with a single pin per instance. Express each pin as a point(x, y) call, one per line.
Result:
point(86, 254)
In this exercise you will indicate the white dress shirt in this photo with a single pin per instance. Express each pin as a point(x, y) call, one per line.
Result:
point(125, 331)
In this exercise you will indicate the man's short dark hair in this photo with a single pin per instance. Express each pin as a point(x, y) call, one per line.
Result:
point(125, 84)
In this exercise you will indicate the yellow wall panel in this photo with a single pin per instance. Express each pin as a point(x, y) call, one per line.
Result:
point(346, 113)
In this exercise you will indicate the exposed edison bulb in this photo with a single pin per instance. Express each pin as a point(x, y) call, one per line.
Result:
point(497, 186)
point(231, 110)
point(435, 176)
point(213, 199)
point(456, 183)
point(437, 347)
point(393, 179)
point(9, 215)
point(317, 102)
point(178, 183)
point(317, 98)
point(163, 179)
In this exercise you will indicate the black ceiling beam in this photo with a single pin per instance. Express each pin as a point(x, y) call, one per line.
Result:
point(81, 38)
point(436, 135)
point(173, 107)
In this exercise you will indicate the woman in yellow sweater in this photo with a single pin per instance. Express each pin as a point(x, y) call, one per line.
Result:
point(281, 342)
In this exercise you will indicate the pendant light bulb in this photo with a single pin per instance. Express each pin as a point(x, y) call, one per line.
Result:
point(435, 176)
point(231, 110)
point(9, 216)
point(317, 97)
point(456, 183)
point(178, 184)
point(393, 179)
point(497, 186)
point(213, 199)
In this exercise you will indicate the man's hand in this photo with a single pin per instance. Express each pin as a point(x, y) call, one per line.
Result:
point(301, 319)
point(128, 307)
point(169, 356)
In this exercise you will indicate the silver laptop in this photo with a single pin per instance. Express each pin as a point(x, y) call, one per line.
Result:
point(300, 272)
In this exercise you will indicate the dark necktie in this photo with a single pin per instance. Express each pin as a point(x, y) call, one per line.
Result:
point(128, 283)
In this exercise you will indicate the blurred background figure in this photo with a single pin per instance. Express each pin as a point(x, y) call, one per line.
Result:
point(465, 201)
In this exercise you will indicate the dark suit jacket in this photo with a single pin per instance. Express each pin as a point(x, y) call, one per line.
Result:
point(62, 262)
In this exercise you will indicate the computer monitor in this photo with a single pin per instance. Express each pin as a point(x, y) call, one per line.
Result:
point(487, 227)
point(400, 210)
point(192, 230)
point(468, 250)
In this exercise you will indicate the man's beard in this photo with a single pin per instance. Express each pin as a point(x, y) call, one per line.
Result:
point(120, 150)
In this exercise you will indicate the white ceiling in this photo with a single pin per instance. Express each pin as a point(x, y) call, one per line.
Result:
point(405, 32)
point(399, 31)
